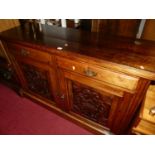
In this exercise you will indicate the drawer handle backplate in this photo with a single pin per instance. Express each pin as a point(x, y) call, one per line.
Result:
point(90, 73)
point(24, 52)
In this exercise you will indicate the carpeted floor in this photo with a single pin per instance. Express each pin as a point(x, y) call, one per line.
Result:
point(20, 116)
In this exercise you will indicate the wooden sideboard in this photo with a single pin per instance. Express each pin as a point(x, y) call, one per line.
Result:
point(94, 80)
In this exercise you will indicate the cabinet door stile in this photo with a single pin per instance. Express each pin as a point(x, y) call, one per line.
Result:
point(70, 94)
point(113, 111)
point(63, 96)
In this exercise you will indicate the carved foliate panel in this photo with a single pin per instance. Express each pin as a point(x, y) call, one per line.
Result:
point(37, 80)
point(90, 103)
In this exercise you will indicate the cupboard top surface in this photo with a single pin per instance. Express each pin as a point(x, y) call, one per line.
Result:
point(129, 52)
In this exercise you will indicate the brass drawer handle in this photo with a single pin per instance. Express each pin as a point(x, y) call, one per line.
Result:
point(24, 52)
point(152, 111)
point(90, 73)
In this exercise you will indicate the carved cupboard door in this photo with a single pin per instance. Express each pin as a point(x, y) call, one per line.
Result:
point(36, 71)
point(90, 103)
point(85, 98)
point(39, 79)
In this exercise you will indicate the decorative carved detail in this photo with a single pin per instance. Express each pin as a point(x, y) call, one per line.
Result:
point(90, 103)
point(37, 80)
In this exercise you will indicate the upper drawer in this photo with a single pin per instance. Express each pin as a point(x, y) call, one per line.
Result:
point(102, 74)
point(25, 52)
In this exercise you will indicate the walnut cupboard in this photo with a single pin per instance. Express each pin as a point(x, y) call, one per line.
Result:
point(93, 80)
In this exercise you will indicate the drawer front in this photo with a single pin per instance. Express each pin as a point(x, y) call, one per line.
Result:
point(144, 127)
point(72, 65)
point(97, 73)
point(25, 52)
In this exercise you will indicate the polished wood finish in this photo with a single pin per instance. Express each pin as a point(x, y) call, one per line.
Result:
point(145, 122)
point(6, 24)
point(119, 27)
point(123, 54)
point(101, 74)
point(128, 105)
point(121, 110)
point(37, 76)
point(149, 31)
point(28, 53)
point(96, 80)
point(144, 128)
